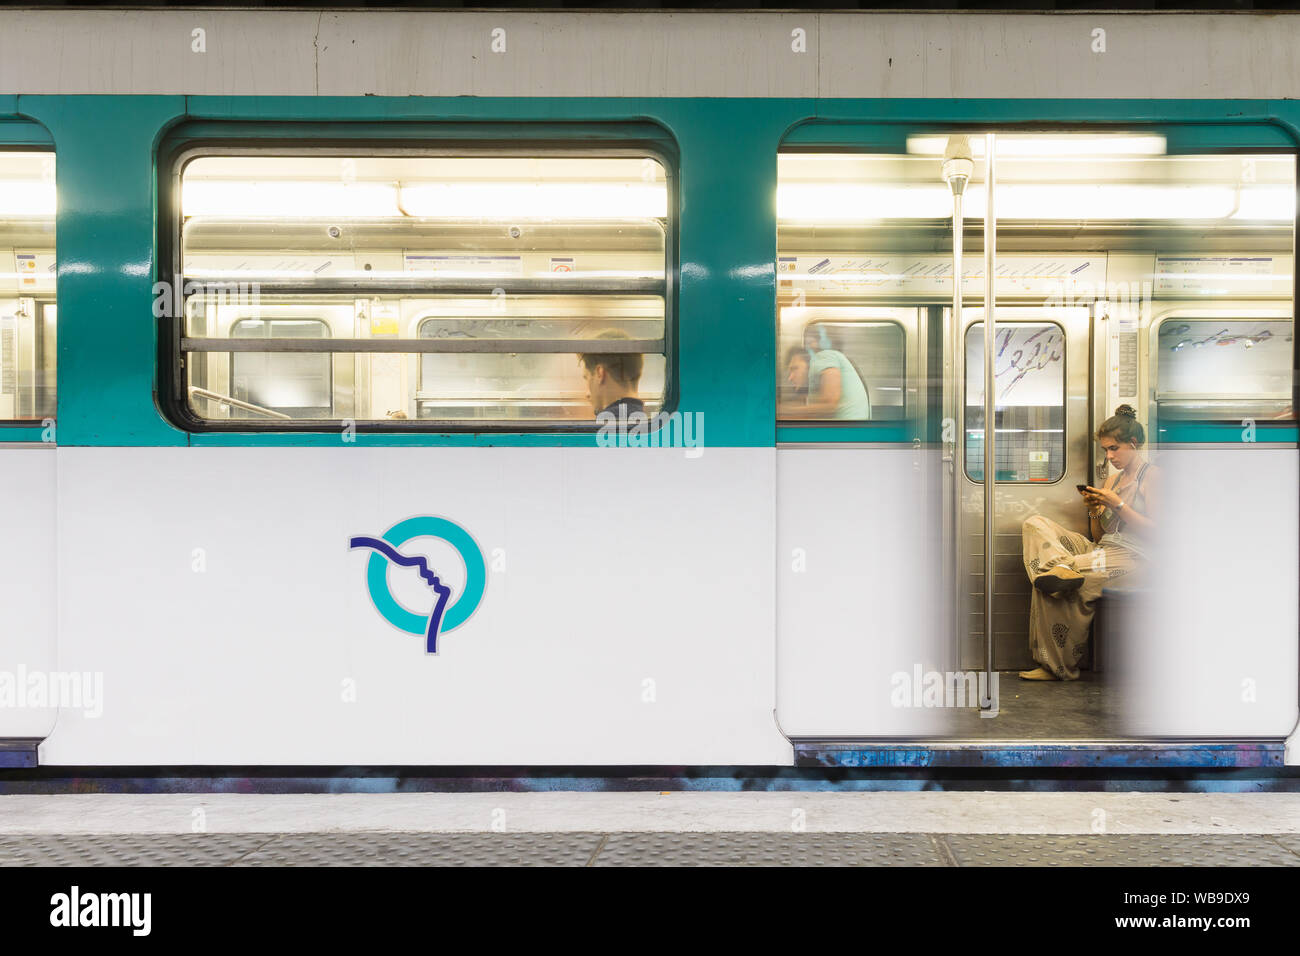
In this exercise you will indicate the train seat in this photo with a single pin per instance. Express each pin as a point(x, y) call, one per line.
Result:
point(1112, 613)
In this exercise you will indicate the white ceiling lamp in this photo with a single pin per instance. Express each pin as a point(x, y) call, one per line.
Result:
point(285, 199)
point(1117, 201)
point(515, 200)
point(1037, 202)
point(269, 199)
point(1266, 204)
point(855, 202)
point(27, 198)
point(1046, 145)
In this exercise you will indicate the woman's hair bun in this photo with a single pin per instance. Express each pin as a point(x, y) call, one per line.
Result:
point(1123, 426)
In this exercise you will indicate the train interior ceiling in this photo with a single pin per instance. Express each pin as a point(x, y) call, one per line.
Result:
point(1125, 275)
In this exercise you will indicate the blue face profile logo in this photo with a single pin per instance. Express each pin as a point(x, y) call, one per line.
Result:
point(447, 614)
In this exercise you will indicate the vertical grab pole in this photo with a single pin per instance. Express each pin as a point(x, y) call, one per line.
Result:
point(956, 375)
point(990, 420)
point(958, 168)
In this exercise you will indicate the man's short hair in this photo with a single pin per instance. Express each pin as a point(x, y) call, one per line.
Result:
point(797, 351)
point(624, 366)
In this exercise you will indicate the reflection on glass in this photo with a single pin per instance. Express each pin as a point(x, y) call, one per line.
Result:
point(1029, 368)
point(532, 386)
point(1224, 369)
point(299, 386)
point(489, 382)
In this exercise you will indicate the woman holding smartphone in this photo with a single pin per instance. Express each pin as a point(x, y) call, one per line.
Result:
point(1068, 570)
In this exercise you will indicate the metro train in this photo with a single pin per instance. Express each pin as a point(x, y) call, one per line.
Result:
point(450, 388)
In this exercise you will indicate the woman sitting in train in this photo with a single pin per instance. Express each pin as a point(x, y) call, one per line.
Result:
point(834, 388)
point(1068, 571)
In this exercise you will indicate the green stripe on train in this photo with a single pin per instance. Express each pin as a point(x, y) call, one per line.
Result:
point(726, 327)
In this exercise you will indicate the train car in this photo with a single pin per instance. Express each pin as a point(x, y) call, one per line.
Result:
point(592, 390)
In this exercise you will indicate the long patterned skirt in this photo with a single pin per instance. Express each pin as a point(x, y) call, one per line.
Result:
point(1058, 626)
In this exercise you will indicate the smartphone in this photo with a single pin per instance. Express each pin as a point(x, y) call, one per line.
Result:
point(1082, 488)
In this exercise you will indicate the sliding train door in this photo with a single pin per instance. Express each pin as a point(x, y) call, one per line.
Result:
point(861, 606)
point(1043, 426)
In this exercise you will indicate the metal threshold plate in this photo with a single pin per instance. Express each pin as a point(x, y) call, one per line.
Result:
point(18, 751)
point(1198, 754)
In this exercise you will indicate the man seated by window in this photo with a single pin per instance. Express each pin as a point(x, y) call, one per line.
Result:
point(612, 379)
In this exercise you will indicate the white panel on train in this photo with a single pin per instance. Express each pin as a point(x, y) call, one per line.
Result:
point(215, 590)
point(1212, 649)
point(859, 609)
point(28, 655)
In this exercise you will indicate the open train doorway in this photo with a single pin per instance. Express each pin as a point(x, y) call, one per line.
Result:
point(1138, 333)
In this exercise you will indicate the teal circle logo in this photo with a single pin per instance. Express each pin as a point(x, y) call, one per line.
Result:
point(447, 614)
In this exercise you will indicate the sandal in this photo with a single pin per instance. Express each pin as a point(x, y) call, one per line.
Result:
point(1038, 673)
point(1059, 579)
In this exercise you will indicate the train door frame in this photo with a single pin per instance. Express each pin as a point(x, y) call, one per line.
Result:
point(1256, 133)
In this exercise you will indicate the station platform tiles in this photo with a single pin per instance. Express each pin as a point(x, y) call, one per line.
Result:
point(648, 849)
point(652, 829)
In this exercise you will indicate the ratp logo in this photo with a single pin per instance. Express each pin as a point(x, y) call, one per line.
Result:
point(449, 611)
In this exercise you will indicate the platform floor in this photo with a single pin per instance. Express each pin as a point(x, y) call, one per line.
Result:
point(652, 829)
point(648, 849)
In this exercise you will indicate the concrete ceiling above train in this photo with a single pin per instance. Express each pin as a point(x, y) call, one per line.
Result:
point(666, 53)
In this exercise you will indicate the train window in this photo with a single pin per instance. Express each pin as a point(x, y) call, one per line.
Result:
point(455, 291)
point(27, 303)
point(868, 356)
point(1029, 369)
point(851, 303)
point(300, 386)
point(1229, 369)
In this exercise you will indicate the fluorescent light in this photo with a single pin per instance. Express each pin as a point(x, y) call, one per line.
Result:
point(202, 272)
point(857, 202)
point(27, 198)
point(1069, 145)
point(252, 199)
point(1273, 203)
point(839, 202)
point(271, 199)
point(489, 200)
point(1111, 201)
